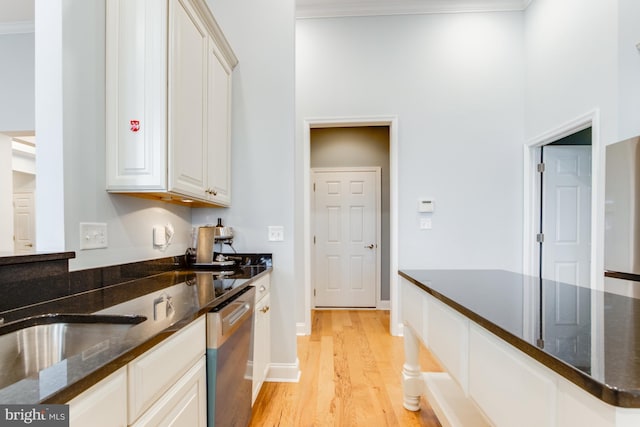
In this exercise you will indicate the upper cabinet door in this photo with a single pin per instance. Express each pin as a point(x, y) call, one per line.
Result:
point(136, 96)
point(188, 42)
point(219, 127)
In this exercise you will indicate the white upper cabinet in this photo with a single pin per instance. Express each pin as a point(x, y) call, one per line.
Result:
point(168, 102)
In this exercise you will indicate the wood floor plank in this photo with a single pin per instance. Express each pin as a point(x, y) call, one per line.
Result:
point(351, 376)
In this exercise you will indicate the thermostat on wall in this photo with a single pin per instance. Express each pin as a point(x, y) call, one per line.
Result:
point(426, 205)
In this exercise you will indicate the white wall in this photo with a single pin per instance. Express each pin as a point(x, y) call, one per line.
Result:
point(71, 146)
point(629, 67)
point(571, 64)
point(17, 85)
point(262, 36)
point(456, 83)
point(582, 57)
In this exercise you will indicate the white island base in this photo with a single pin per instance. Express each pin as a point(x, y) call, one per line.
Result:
point(489, 382)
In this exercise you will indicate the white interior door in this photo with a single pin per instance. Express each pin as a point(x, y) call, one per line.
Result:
point(23, 222)
point(566, 214)
point(346, 235)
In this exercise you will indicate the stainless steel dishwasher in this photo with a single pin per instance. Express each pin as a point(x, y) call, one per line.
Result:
point(229, 335)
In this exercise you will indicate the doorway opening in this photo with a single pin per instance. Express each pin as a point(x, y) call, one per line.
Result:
point(387, 295)
point(564, 220)
point(350, 212)
point(564, 204)
point(18, 192)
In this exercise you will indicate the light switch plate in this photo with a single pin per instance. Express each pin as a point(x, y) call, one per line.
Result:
point(93, 235)
point(276, 233)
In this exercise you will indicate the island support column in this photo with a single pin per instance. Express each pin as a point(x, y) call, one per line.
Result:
point(412, 384)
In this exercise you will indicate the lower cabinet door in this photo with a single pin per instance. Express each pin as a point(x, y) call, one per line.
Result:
point(184, 404)
point(261, 345)
point(102, 405)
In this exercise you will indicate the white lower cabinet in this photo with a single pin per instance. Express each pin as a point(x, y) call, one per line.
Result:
point(152, 374)
point(167, 385)
point(102, 405)
point(510, 389)
point(261, 335)
point(184, 404)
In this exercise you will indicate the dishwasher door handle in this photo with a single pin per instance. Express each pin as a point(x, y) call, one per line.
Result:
point(237, 314)
point(223, 323)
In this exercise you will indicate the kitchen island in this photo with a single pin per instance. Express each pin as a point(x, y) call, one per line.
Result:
point(522, 351)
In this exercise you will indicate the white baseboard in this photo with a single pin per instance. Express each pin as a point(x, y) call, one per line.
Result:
point(301, 329)
point(384, 305)
point(284, 372)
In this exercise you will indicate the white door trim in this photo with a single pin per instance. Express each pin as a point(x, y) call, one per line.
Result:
point(378, 171)
point(392, 122)
point(530, 248)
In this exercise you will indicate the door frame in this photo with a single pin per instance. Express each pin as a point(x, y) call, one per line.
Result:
point(378, 190)
point(392, 122)
point(531, 252)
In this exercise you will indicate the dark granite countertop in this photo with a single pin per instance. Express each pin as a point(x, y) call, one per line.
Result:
point(590, 337)
point(193, 293)
point(7, 258)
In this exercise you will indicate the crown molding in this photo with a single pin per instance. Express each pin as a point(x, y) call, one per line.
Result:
point(350, 8)
point(19, 27)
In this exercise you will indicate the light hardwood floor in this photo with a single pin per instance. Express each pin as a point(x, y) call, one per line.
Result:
point(351, 376)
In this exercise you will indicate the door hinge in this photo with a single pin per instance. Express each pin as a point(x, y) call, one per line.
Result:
point(540, 237)
point(541, 167)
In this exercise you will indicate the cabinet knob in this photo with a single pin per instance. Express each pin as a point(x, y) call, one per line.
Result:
point(262, 288)
point(211, 191)
point(264, 309)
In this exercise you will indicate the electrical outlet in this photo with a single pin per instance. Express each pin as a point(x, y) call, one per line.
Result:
point(276, 233)
point(425, 223)
point(93, 235)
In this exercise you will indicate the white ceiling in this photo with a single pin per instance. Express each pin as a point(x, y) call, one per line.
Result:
point(12, 11)
point(333, 8)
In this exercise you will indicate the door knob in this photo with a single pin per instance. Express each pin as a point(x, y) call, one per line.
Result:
point(371, 246)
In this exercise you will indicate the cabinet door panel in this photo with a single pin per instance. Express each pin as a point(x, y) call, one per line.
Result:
point(185, 404)
point(219, 126)
point(102, 405)
point(153, 373)
point(136, 97)
point(187, 101)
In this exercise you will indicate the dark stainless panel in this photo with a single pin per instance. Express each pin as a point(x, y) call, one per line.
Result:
point(622, 207)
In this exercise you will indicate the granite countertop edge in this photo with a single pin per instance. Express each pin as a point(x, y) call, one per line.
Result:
point(66, 394)
point(606, 393)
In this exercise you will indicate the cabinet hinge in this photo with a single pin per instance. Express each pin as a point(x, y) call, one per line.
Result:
point(314, 292)
point(314, 187)
point(540, 237)
point(314, 240)
point(541, 167)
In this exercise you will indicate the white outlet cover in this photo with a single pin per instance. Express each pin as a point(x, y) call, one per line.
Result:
point(276, 233)
point(425, 223)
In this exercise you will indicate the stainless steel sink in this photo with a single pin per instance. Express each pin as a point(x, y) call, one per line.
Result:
point(30, 345)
